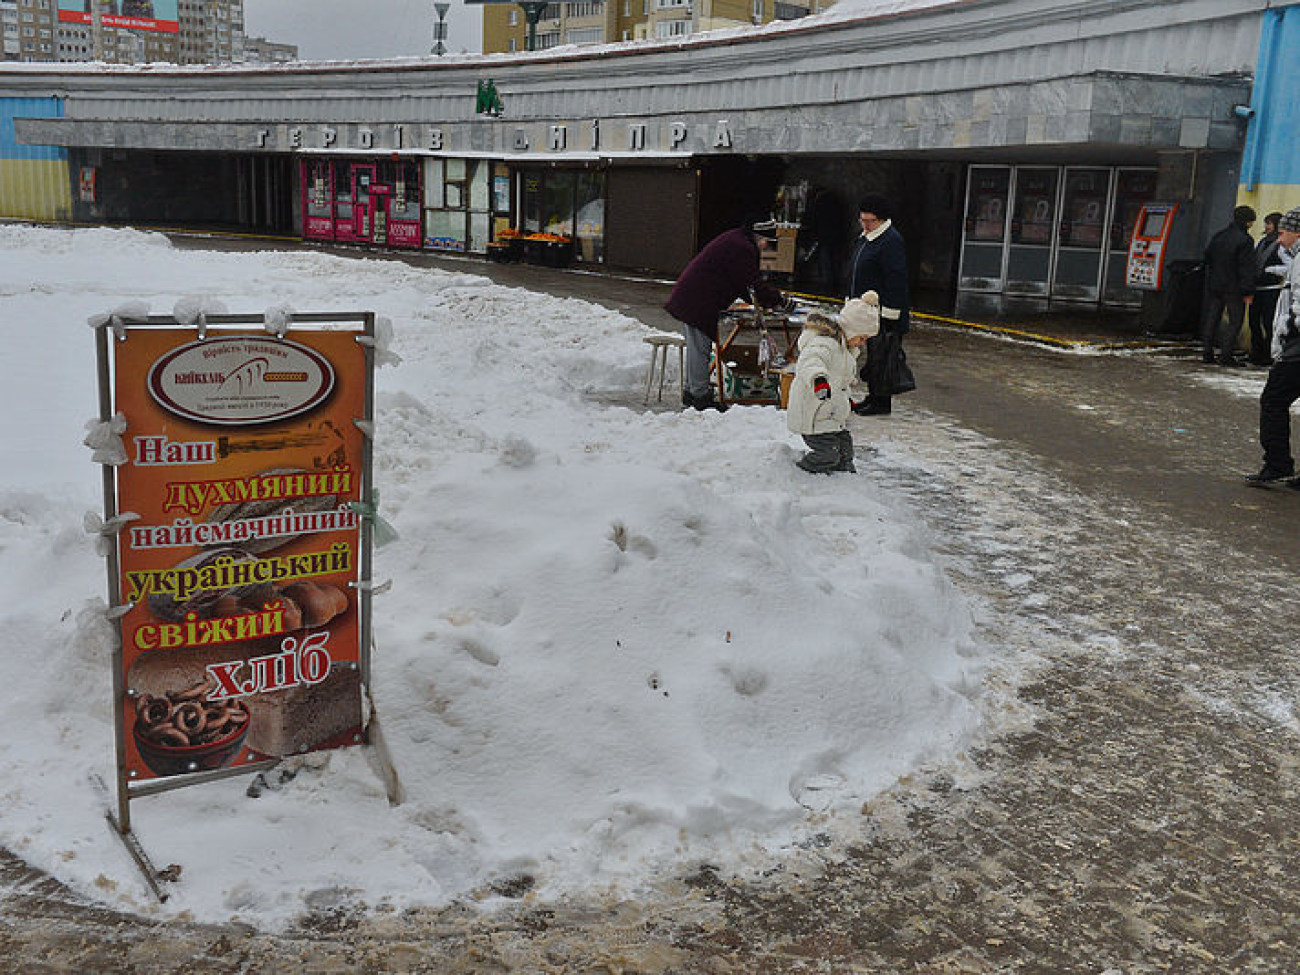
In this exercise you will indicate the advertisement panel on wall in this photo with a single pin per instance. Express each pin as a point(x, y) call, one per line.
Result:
point(156, 15)
point(239, 567)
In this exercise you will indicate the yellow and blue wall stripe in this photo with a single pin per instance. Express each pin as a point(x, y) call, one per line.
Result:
point(1270, 161)
point(34, 180)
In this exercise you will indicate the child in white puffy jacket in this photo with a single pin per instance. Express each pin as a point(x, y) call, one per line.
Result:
point(818, 407)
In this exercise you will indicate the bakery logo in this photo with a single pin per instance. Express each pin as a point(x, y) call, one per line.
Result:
point(241, 380)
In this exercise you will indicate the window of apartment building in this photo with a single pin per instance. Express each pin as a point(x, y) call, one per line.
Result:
point(587, 35)
point(593, 9)
point(671, 4)
point(672, 28)
point(514, 18)
point(548, 39)
point(758, 9)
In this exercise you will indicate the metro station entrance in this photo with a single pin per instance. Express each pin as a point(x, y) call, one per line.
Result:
point(1051, 233)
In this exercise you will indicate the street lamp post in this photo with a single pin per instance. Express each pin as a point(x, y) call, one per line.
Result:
point(440, 28)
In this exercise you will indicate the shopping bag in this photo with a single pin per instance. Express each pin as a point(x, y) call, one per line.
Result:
point(886, 371)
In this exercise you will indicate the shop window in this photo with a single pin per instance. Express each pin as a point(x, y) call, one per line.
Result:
point(445, 229)
point(319, 182)
point(403, 177)
point(453, 189)
point(343, 182)
point(458, 204)
point(433, 184)
point(557, 204)
point(590, 217)
point(566, 203)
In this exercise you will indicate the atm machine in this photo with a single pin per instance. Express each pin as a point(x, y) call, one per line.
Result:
point(1158, 263)
point(1145, 269)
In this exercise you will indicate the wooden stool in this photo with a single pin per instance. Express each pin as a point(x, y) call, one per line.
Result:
point(659, 360)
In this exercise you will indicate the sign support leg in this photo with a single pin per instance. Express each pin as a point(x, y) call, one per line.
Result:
point(132, 844)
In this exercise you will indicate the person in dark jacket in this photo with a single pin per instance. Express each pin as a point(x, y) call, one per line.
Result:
point(726, 269)
point(1270, 273)
point(879, 263)
point(1229, 285)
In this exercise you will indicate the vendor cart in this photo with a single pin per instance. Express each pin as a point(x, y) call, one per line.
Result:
point(753, 347)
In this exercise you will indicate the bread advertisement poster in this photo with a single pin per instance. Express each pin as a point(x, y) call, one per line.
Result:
point(242, 641)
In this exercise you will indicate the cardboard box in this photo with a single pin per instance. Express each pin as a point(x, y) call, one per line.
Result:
point(781, 257)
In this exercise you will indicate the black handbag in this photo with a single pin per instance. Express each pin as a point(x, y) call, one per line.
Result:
point(886, 372)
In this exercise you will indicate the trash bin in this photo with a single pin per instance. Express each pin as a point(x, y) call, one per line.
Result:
point(1184, 296)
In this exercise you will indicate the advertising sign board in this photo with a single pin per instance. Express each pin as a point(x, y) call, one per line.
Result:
point(155, 15)
point(238, 571)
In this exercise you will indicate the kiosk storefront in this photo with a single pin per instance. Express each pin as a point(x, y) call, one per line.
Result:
point(361, 201)
point(566, 203)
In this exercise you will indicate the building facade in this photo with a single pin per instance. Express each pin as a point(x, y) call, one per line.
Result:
point(29, 29)
point(211, 32)
point(202, 32)
point(258, 50)
point(1019, 140)
point(604, 21)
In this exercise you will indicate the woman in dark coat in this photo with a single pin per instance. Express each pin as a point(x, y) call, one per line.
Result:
point(879, 264)
point(726, 269)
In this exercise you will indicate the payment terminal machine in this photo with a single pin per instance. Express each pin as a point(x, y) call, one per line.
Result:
point(1149, 246)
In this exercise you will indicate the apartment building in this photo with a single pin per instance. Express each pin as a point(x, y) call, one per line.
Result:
point(505, 27)
point(123, 31)
point(27, 28)
point(211, 31)
point(258, 50)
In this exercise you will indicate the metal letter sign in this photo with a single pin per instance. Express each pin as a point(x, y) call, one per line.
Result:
point(240, 573)
point(487, 101)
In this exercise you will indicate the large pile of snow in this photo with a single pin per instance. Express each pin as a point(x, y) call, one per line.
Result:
point(614, 638)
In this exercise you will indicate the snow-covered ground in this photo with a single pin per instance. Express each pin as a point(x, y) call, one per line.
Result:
point(615, 640)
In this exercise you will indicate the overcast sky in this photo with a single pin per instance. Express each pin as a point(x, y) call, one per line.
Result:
point(347, 29)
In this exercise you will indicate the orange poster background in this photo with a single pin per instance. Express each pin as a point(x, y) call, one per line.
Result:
point(323, 440)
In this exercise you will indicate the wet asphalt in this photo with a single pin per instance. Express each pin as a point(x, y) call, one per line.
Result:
point(1129, 808)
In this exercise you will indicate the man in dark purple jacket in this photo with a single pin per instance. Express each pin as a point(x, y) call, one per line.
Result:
point(726, 269)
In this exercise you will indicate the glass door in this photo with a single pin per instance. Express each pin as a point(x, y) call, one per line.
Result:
point(1033, 225)
point(1084, 205)
point(363, 178)
point(984, 235)
point(1133, 187)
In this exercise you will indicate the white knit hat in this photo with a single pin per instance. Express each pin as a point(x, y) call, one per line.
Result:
point(1290, 221)
point(861, 316)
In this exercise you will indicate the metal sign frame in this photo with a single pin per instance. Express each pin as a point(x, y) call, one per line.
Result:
point(362, 325)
